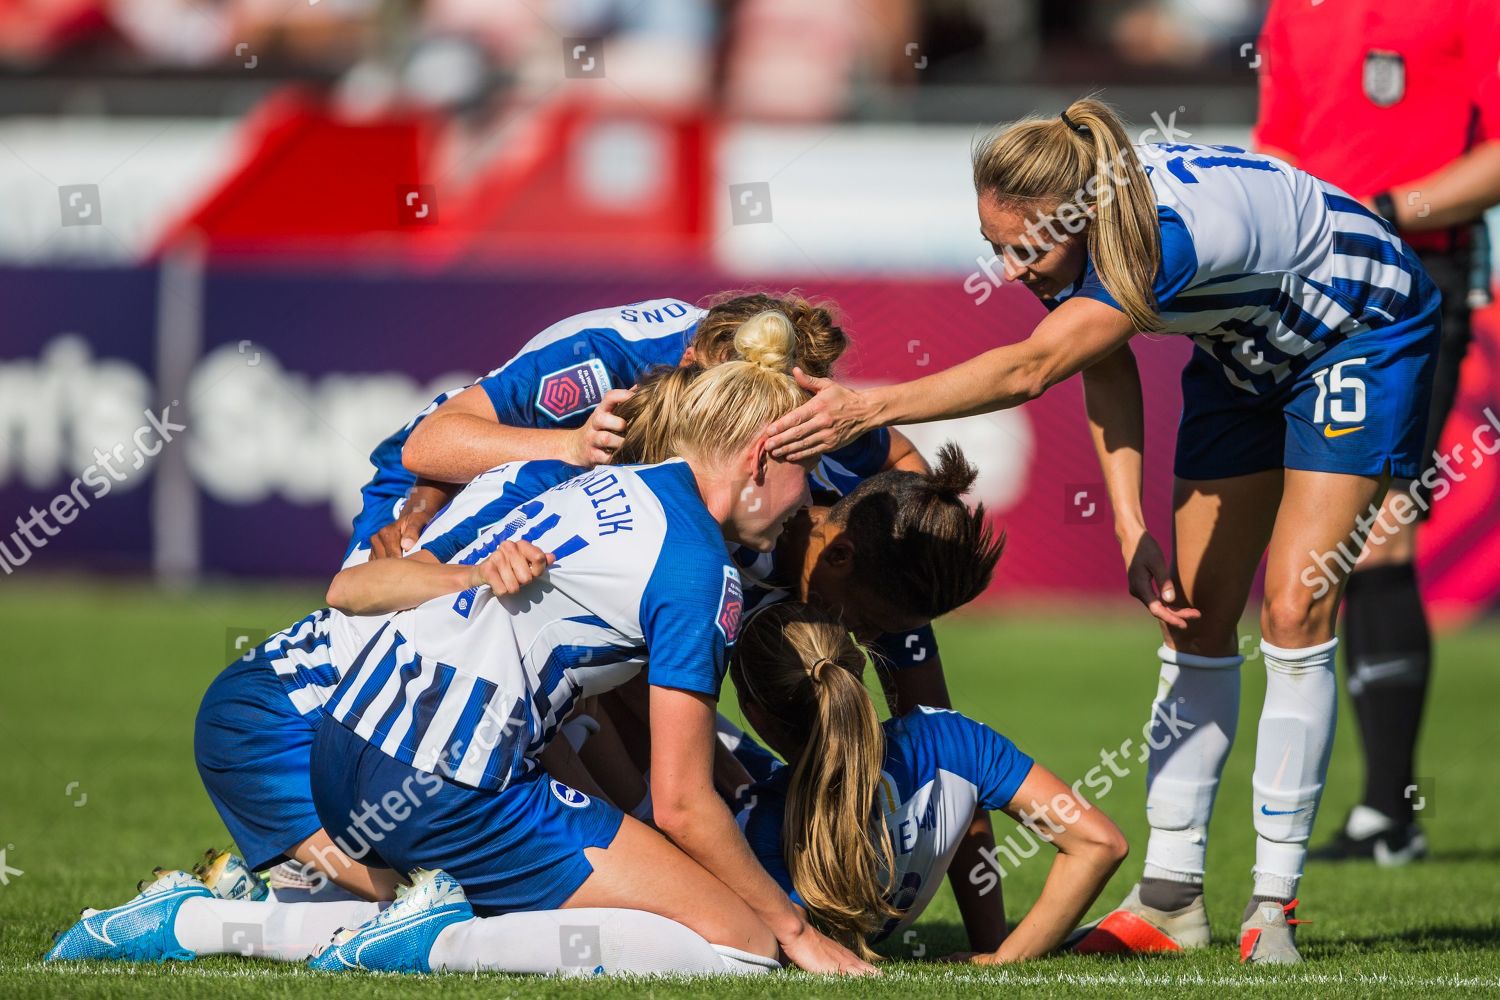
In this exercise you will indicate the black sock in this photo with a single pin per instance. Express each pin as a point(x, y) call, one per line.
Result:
point(1387, 650)
point(1169, 894)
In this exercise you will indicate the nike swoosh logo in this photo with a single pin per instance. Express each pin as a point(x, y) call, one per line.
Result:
point(1265, 811)
point(1329, 432)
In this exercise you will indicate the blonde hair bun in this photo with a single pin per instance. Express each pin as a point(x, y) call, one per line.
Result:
point(767, 339)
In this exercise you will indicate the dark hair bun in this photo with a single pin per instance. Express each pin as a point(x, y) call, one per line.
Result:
point(954, 475)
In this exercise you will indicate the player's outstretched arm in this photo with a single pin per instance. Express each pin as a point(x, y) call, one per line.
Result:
point(1074, 336)
point(464, 437)
point(1089, 849)
point(384, 586)
point(688, 811)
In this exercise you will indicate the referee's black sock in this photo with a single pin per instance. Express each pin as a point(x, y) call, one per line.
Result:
point(1388, 651)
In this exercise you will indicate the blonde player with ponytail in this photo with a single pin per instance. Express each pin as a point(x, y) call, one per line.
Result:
point(1316, 332)
point(863, 822)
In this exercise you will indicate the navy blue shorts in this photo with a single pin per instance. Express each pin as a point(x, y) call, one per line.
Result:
point(1360, 407)
point(253, 751)
point(519, 848)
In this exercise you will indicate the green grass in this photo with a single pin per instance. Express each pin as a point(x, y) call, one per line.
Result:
point(98, 785)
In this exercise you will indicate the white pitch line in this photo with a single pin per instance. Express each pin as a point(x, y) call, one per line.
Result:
point(988, 976)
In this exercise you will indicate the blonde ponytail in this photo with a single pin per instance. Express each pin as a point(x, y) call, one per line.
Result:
point(1085, 160)
point(803, 668)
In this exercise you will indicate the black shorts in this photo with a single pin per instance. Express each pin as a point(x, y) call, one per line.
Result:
point(1449, 271)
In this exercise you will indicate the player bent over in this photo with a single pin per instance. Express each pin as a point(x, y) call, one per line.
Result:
point(1316, 332)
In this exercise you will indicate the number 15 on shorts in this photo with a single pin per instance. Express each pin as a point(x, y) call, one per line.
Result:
point(1341, 394)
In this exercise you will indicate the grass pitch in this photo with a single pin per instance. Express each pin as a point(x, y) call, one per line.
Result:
point(100, 685)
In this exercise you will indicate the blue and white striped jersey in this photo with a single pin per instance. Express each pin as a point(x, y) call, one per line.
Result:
point(308, 655)
point(554, 381)
point(939, 767)
point(1265, 266)
point(474, 686)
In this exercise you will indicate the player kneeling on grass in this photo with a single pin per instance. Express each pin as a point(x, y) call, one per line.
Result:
point(861, 826)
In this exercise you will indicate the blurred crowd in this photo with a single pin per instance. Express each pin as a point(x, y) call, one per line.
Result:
point(760, 58)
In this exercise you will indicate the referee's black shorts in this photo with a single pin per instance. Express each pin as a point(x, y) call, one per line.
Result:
point(1449, 271)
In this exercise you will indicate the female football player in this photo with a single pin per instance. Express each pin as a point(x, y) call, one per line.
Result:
point(1316, 330)
point(441, 713)
point(862, 823)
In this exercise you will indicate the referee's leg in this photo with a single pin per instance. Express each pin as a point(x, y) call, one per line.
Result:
point(1387, 642)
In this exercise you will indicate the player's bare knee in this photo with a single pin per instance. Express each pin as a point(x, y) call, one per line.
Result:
point(1204, 638)
point(1202, 645)
point(1292, 618)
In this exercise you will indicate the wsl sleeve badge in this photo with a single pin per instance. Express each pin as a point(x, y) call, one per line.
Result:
point(573, 390)
point(731, 606)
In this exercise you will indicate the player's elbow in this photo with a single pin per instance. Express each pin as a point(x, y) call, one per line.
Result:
point(677, 815)
point(1029, 378)
point(417, 451)
point(673, 819)
point(342, 596)
point(1104, 844)
point(1029, 382)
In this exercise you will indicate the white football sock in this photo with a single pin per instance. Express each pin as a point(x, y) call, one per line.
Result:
point(745, 963)
point(1291, 760)
point(585, 941)
point(1193, 722)
point(284, 932)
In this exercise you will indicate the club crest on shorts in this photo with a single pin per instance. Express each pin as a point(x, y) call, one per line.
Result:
point(570, 797)
point(731, 604)
point(1384, 77)
point(573, 389)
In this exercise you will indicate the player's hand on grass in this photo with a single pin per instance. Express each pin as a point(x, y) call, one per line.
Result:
point(831, 419)
point(1151, 582)
point(595, 442)
point(814, 951)
point(510, 567)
